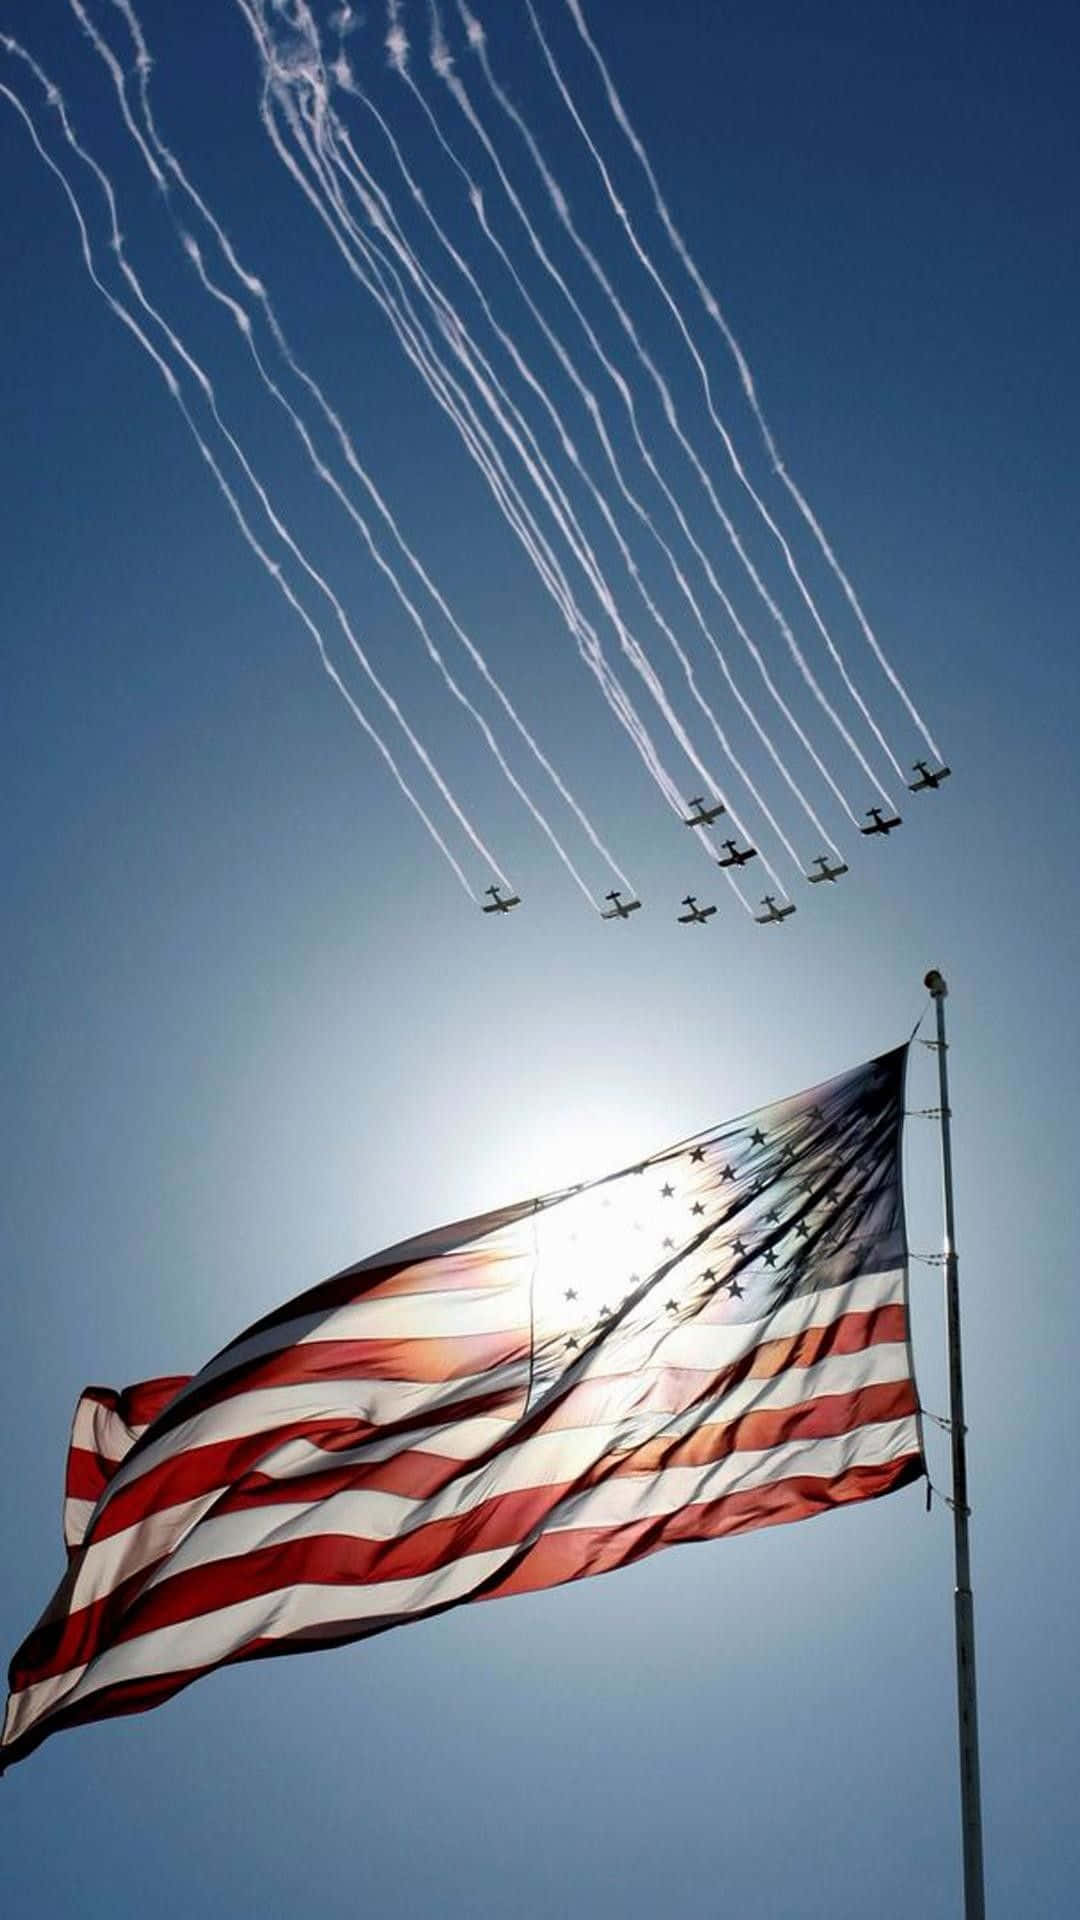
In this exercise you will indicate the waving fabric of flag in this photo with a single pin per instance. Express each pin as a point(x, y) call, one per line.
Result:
point(711, 1340)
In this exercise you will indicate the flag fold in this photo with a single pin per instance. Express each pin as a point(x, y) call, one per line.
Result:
point(711, 1340)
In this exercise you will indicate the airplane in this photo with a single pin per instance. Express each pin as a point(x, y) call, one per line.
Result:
point(737, 856)
point(773, 914)
point(697, 915)
point(827, 872)
point(498, 904)
point(620, 909)
point(879, 825)
point(703, 816)
point(927, 777)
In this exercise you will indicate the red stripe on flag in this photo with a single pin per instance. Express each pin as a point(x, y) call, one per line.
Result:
point(503, 1520)
point(550, 1504)
point(185, 1475)
point(553, 1561)
point(424, 1361)
point(575, 1553)
point(669, 1389)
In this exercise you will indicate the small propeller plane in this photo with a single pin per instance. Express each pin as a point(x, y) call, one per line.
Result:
point(697, 916)
point(702, 816)
point(498, 904)
point(928, 777)
point(773, 914)
point(620, 909)
point(878, 824)
point(825, 872)
point(737, 856)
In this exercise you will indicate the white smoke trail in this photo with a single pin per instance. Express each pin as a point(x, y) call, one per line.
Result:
point(477, 41)
point(494, 396)
point(279, 77)
point(242, 320)
point(202, 380)
point(443, 65)
point(506, 495)
point(715, 312)
point(327, 477)
point(677, 314)
point(418, 348)
point(555, 498)
point(272, 567)
point(435, 295)
point(570, 527)
point(398, 49)
point(628, 327)
point(255, 288)
point(597, 495)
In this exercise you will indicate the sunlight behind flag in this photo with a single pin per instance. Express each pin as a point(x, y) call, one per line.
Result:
point(713, 1339)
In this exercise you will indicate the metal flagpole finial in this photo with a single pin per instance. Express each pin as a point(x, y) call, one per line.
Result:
point(934, 983)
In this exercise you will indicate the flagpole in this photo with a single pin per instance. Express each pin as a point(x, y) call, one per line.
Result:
point(970, 1801)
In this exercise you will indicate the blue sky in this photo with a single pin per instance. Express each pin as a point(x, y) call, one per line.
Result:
point(252, 1029)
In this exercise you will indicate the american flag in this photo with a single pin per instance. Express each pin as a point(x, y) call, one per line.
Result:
point(711, 1340)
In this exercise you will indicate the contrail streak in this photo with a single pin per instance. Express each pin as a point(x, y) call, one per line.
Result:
point(434, 294)
point(441, 61)
point(242, 320)
point(488, 386)
point(718, 423)
point(572, 454)
point(254, 287)
point(660, 384)
point(328, 479)
point(494, 398)
point(506, 495)
point(272, 566)
point(416, 343)
point(398, 49)
point(202, 379)
point(477, 41)
point(204, 383)
point(713, 309)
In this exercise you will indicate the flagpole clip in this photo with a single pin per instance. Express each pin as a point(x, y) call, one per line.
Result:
point(938, 1420)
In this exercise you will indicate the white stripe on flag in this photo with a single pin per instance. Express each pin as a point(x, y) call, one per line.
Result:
point(207, 1639)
